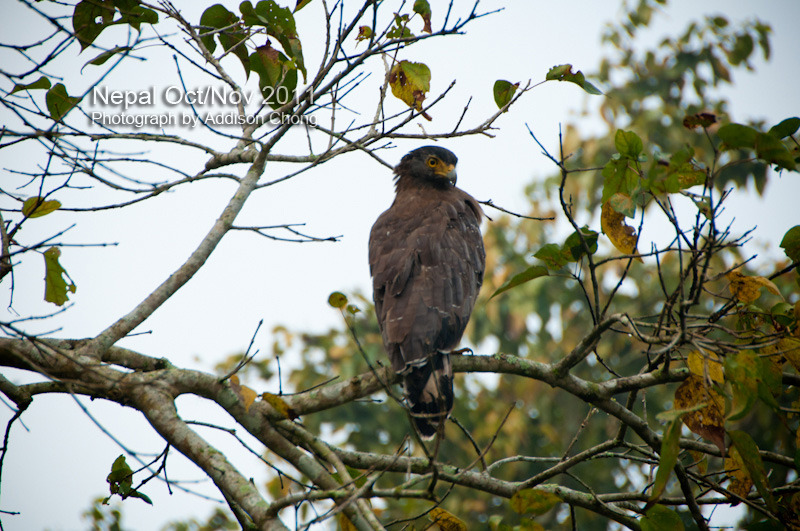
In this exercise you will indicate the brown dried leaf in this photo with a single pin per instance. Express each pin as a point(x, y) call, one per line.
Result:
point(701, 119)
point(708, 421)
point(621, 235)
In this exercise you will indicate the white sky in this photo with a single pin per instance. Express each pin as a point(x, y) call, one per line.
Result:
point(58, 461)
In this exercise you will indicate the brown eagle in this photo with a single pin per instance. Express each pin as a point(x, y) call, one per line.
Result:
point(426, 259)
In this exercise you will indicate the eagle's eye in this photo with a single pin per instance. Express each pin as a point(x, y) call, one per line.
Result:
point(432, 162)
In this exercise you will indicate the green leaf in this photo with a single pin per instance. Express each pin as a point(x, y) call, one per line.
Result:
point(216, 16)
point(120, 481)
point(791, 243)
point(55, 287)
point(41, 83)
point(120, 478)
point(748, 450)
point(529, 274)
point(90, 18)
point(564, 73)
point(783, 313)
point(134, 14)
point(573, 248)
point(423, 9)
point(410, 82)
point(533, 501)
point(659, 518)
point(400, 29)
point(58, 102)
point(623, 204)
point(686, 173)
point(620, 177)
point(670, 449)
point(105, 56)
point(301, 4)
point(279, 23)
point(337, 299)
point(503, 92)
point(770, 377)
point(231, 38)
point(738, 136)
point(703, 204)
point(552, 255)
point(359, 477)
point(741, 370)
point(743, 397)
point(679, 174)
point(364, 33)
point(681, 157)
point(787, 127)
point(36, 207)
point(141, 495)
point(772, 150)
point(628, 144)
point(742, 48)
point(277, 75)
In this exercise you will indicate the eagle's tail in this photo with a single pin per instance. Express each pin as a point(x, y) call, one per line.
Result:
point(429, 389)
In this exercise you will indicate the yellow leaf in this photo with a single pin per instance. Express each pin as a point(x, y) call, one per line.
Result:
point(410, 82)
point(248, 397)
point(446, 521)
point(747, 289)
point(35, 207)
point(345, 524)
point(621, 235)
point(279, 405)
point(337, 299)
point(706, 366)
point(735, 469)
point(707, 421)
point(533, 501)
point(56, 289)
point(790, 348)
point(245, 394)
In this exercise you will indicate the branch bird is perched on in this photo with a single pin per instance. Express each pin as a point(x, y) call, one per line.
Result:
point(426, 258)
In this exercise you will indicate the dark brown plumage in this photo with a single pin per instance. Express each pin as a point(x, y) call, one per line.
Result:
point(426, 258)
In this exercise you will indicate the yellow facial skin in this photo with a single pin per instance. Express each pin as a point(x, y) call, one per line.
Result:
point(446, 171)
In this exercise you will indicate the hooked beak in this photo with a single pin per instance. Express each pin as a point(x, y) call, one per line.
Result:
point(449, 173)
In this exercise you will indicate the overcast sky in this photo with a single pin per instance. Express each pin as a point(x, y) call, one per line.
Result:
point(58, 460)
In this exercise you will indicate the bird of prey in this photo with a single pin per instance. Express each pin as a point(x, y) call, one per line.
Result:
point(427, 260)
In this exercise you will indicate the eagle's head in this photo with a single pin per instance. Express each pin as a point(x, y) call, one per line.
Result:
point(432, 164)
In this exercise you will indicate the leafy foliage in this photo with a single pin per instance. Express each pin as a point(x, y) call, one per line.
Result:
point(56, 287)
point(565, 73)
